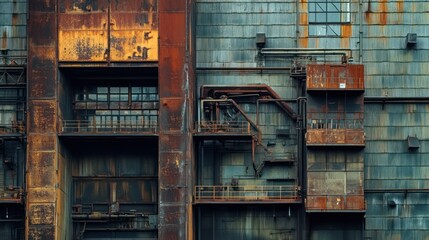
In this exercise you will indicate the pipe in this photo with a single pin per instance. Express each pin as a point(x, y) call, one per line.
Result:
point(235, 105)
point(383, 99)
point(102, 216)
point(244, 69)
point(360, 31)
point(307, 51)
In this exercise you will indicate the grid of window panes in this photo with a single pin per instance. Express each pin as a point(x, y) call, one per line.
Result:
point(12, 108)
point(325, 17)
point(117, 108)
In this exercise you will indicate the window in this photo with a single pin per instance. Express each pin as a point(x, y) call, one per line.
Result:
point(325, 17)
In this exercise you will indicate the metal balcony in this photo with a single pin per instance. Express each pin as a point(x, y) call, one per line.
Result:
point(246, 194)
point(88, 127)
point(335, 132)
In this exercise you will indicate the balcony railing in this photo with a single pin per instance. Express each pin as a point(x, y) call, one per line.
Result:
point(11, 194)
point(335, 131)
point(335, 203)
point(12, 128)
point(331, 83)
point(88, 126)
point(224, 127)
point(246, 193)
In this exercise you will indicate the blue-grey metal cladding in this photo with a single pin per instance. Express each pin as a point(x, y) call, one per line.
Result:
point(396, 175)
point(13, 26)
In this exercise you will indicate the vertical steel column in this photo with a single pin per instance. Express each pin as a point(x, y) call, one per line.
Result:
point(41, 221)
point(175, 139)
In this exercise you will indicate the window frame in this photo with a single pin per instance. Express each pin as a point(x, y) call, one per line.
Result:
point(320, 20)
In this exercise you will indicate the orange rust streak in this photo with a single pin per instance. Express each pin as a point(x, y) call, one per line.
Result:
point(303, 19)
point(400, 6)
point(303, 42)
point(383, 13)
point(346, 30)
point(368, 13)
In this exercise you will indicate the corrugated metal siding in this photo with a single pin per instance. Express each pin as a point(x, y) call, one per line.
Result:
point(13, 26)
point(394, 70)
point(225, 31)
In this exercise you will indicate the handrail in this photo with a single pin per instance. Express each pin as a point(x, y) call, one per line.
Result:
point(332, 123)
point(241, 127)
point(91, 126)
point(246, 192)
point(12, 127)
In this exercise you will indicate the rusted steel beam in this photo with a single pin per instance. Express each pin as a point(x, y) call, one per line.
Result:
point(41, 221)
point(176, 84)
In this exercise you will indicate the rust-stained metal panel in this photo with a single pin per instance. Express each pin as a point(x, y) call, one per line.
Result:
point(176, 98)
point(42, 6)
point(42, 29)
point(335, 77)
point(172, 169)
point(42, 116)
point(41, 72)
point(42, 173)
point(43, 195)
point(134, 30)
point(94, 31)
point(172, 58)
point(39, 233)
point(335, 203)
point(83, 30)
point(335, 136)
point(42, 213)
point(172, 109)
point(176, 36)
point(39, 142)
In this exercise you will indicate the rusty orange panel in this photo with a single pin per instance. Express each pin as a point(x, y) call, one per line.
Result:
point(42, 172)
point(335, 203)
point(173, 60)
point(173, 34)
point(315, 202)
point(355, 202)
point(41, 214)
point(83, 34)
point(355, 136)
point(42, 116)
point(134, 45)
point(134, 30)
point(172, 110)
point(38, 142)
point(335, 136)
point(171, 168)
point(43, 232)
point(335, 77)
point(83, 45)
point(43, 195)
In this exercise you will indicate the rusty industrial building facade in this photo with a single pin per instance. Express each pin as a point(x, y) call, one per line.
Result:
point(213, 119)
